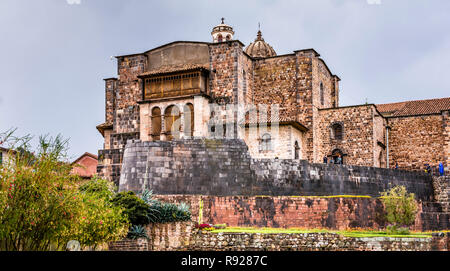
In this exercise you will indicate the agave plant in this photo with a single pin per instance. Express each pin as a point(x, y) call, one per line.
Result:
point(183, 207)
point(147, 196)
point(137, 231)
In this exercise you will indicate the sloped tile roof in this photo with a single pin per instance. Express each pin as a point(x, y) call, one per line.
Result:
point(104, 126)
point(174, 68)
point(412, 108)
point(283, 117)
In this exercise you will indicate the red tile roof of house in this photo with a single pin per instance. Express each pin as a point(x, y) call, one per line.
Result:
point(412, 108)
point(86, 165)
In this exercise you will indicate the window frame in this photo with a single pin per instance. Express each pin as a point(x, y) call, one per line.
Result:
point(333, 131)
point(265, 143)
point(322, 95)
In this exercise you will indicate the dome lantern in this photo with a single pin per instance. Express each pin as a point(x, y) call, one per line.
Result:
point(259, 48)
point(222, 32)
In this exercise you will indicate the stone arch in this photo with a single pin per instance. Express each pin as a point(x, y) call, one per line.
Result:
point(219, 38)
point(266, 142)
point(156, 123)
point(172, 126)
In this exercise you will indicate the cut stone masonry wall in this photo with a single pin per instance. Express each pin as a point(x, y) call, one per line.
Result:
point(224, 168)
point(192, 240)
point(336, 213)
point(442, 191)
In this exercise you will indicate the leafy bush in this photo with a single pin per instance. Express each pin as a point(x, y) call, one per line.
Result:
point(137, 211)
point(99, 221)
point(137, 231)
point(41, 207)
point(101, 188)
point(400, 207)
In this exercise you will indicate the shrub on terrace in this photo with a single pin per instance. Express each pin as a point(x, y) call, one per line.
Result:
point(400, 209)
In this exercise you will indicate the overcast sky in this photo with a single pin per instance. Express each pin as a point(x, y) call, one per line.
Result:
point(55, 53)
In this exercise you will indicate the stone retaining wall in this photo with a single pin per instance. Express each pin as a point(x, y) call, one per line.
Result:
point(303, 212)
point(169, 236)
point(304, 242)
point(162, 237)
point(224, 168)
point(129, 245)
point(207, 241)
point(441, 187)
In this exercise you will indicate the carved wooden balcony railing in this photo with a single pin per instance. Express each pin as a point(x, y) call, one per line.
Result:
point(168, 86)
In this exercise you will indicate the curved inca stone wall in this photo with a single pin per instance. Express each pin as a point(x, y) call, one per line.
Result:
point(225, 168)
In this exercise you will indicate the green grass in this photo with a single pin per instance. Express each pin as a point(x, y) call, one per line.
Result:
point(349, 233)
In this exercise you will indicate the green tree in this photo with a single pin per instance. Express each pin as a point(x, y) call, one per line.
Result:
point(400, 206)
point(37, 195)
point(41, 207)
point(99, 221)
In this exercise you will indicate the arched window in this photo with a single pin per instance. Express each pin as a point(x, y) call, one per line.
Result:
point(296, 150)
point(228, 37)
point(219, 38)
point(337, 131)
point(172, 126)
point(266, 142)
point(156, 123)
point(188, 119)
point(322, 99)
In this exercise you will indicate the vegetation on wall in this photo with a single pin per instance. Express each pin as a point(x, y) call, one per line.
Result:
point(137, 211)
point(144, 210)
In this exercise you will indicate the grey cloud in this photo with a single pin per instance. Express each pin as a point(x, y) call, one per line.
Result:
point(55, 55)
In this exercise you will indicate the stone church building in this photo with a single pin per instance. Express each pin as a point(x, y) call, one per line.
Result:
point(186, 89)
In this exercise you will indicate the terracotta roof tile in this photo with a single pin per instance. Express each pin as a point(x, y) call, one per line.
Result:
point(283, 117)
point(411, 108)
point(174, 68)
point(104, 126)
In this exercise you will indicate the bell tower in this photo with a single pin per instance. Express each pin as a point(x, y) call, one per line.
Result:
point(222, 32)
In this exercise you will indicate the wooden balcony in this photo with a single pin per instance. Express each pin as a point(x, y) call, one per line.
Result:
point(175, 85)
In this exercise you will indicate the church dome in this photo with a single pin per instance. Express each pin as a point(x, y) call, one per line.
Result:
point(259, 48)
point(222, 32)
